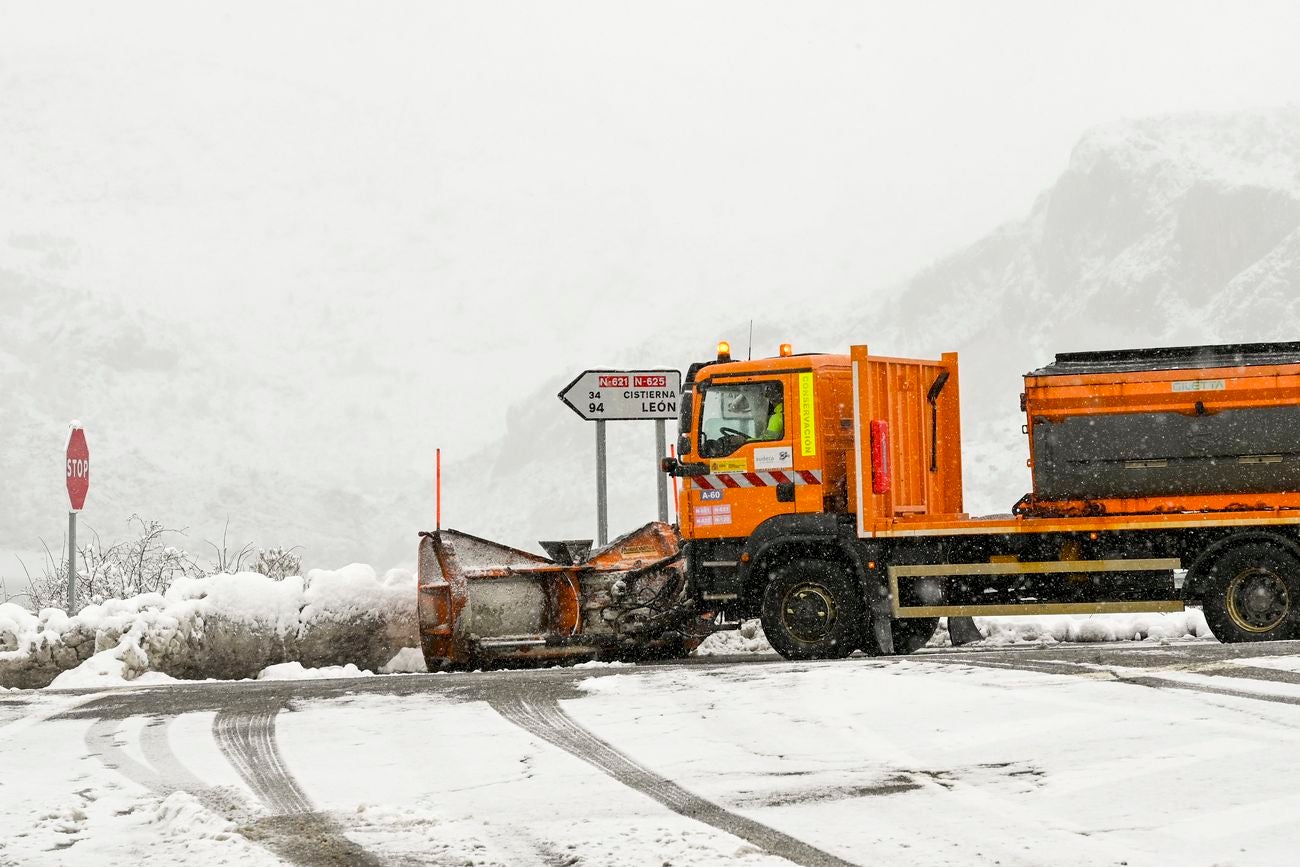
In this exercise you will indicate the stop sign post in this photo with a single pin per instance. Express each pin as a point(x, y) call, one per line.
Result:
point(77, 469)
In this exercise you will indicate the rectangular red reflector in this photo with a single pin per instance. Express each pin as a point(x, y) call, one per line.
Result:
point(880, 478)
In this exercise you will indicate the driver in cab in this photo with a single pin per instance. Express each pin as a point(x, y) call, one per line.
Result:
point(775, 426)
point(775, 422)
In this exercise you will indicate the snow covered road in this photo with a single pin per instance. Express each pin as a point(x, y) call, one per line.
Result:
point(1087, 754)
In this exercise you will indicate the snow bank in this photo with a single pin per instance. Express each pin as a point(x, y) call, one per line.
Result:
point(222, 626)
point(296, 671)
point(246, 625)
point(1050, 629)
point(1003, 631)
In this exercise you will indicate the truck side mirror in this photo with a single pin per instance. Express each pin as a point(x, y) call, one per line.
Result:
point(674, 467)
point(684, 443)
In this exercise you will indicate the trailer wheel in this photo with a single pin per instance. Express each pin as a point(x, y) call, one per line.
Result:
point(811, 610)
point(1253, 594)
point(910, 635)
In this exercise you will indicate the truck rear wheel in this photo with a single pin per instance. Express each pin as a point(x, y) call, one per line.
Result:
point(812, 610)
point(1253, 594)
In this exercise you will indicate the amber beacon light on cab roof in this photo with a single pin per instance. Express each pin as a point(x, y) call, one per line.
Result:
point(823, 494)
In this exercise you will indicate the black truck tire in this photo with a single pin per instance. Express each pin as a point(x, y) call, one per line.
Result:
point(910, 635)
point(1252, 593)
point(812, 610)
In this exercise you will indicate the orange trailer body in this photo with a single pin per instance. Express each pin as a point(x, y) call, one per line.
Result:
point(923, 439)
point(1201, 429)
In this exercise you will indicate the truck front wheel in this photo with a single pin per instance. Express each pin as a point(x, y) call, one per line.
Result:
point(812, 610)
point(1253, 594)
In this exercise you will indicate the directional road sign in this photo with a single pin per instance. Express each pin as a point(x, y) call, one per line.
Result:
point(624, 395)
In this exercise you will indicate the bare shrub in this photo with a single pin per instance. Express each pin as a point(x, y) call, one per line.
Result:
point(278, 563)
point(224, 561)
point(146, 563)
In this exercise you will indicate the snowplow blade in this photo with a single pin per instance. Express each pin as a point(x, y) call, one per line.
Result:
point(481, 602)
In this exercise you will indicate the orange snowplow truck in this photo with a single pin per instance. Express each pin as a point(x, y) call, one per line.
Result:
point(823, 493)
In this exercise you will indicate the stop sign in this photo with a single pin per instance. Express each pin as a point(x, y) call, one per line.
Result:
point(78, 467)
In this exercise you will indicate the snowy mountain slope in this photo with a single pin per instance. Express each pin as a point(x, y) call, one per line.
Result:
point(325, 308)
point(177, 431)
point(1160, 231)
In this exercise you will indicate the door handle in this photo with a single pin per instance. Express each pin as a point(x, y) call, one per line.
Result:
point(785, 492)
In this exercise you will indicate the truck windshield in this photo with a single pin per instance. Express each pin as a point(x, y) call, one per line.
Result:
point(740, 413)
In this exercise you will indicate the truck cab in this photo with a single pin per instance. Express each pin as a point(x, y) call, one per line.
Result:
point(760, 442)
point(786, 463)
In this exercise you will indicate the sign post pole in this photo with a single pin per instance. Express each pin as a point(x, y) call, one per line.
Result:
point(602, 497)
point(660, 445)
point(72, 563)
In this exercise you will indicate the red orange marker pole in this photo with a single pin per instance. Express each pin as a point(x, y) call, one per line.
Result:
point(438, 486)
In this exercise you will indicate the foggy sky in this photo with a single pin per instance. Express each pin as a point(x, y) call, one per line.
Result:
point(494, 152)
point(465, 200)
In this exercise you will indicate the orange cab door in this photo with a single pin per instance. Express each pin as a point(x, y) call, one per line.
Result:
point(806, 443)
point(745, 436)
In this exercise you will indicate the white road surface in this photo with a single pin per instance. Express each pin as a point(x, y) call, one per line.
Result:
point(1153, 755)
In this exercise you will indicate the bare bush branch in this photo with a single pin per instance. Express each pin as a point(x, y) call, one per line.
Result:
point(146, 562)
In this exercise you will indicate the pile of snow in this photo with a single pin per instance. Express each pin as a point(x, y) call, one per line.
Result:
point(222, 626)
point(409, 660)
point(114, 667)
point(296, 671)
point(1051, 629)
point(749, 638)
point(1003, 631)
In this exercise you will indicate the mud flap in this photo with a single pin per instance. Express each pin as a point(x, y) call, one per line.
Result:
point(883, 630)
point(962, 630)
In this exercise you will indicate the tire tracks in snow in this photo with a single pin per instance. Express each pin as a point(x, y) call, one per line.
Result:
point(102, 740)
point(543, 717)
point(162, 773)
point(1152, 678)
point(155, 746)
point(295, 830)
point(248, 742)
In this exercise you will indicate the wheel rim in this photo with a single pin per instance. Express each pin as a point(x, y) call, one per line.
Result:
point(1258, 600)
point(808, 611)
